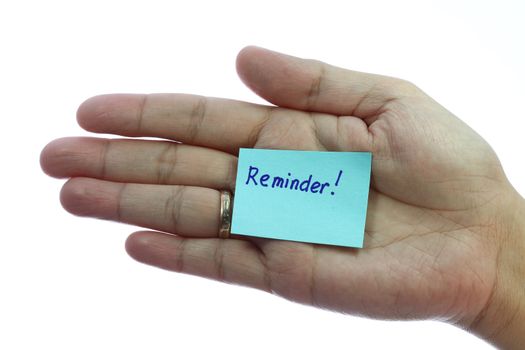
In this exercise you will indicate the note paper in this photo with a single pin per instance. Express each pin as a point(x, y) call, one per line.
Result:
point(305, 196)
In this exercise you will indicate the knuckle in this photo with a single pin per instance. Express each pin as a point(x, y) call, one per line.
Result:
point(173, 207)
point(316, 84)
point(218, 258)
point(166, 163)
point(141, 111)
point(197, 115)
point(103, 158)
point(180, 256)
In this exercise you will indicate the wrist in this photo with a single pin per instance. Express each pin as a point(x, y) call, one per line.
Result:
point(502, 321)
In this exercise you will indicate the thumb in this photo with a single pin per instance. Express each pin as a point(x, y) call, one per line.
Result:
point(310, 85)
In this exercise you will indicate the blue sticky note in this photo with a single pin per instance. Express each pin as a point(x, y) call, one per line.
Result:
point(305, 196)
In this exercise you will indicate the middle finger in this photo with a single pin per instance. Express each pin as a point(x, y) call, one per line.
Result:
point(140, 161)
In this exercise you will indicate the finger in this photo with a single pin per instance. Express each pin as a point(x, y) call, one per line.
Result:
point(184, 210)
point(217, 123)
point(139, 161)
point(315, 86)
point(231, 260)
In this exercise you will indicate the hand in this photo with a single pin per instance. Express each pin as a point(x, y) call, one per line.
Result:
point(441, 210)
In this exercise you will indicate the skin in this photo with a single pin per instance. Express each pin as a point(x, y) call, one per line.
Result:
point(444, 231)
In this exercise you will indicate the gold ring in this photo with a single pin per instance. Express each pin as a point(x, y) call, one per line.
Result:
point(226, 214)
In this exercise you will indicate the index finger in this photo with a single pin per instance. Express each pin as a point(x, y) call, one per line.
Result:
point(217, 123)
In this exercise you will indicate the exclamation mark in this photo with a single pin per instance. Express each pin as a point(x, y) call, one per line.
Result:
point(337, 181)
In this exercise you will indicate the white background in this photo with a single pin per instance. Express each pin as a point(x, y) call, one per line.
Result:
point(66, 282)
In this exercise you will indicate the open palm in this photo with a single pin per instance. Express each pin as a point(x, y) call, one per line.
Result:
point(429, 248)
